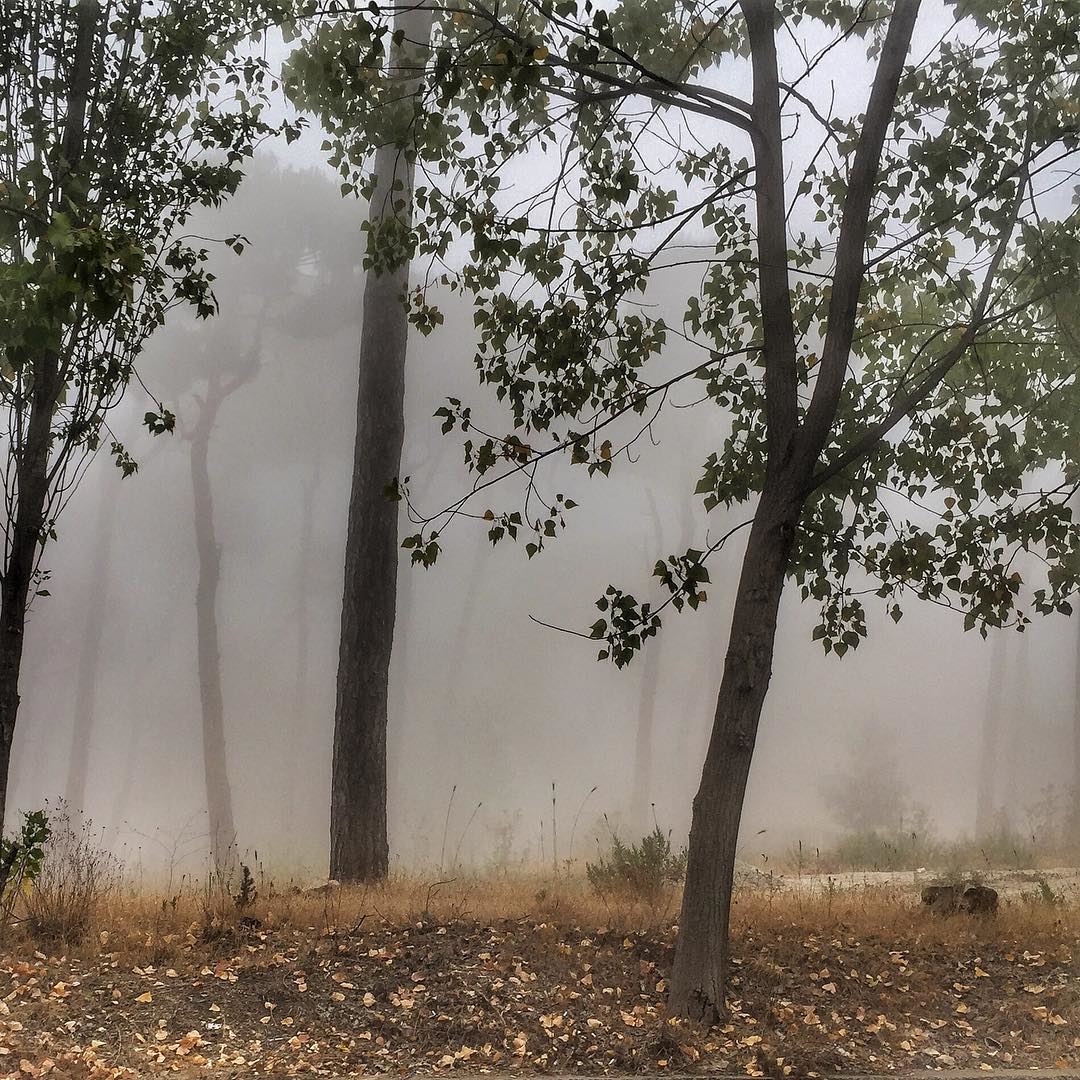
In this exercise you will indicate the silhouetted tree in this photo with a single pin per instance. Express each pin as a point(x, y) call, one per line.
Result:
point(105, 154)
point(986, 799)
point(99, 577)
point(359, 849)
point(219, 804)
point(871, 316)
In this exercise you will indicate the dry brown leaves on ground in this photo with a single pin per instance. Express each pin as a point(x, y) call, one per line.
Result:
point(808, 995)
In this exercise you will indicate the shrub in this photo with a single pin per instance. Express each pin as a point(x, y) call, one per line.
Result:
point(76, 874)
point(643, 870)
point(21, 859)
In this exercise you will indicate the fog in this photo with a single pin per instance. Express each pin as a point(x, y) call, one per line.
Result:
point(492, 714)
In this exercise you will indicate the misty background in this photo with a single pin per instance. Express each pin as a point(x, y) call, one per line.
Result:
point(488, 707)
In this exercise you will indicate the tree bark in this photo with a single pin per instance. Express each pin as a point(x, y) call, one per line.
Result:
point(31, 470)
point(358, 839)
point(989, 753)
point(221, 823)
point(701, 958)
point(86, 678)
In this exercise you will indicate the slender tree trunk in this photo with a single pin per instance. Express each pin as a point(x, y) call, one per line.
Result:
point(641, 787)
point(358, 839)
point(31, 470)
point(989, 753)
point(701, 959)
point(1018, 718)
point(222, 827)
point(86, 678)
point(298, 729)
point(1075, 816)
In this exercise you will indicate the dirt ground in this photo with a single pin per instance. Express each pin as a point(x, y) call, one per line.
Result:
point(823, 981)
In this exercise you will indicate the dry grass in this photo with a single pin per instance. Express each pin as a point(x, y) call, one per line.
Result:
point(533, 972)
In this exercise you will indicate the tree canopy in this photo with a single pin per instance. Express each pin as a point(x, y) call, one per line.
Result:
point(576, 159)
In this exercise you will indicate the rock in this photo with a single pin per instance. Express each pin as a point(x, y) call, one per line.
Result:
point(979, 900)
point(324, 889)
point(966, 899)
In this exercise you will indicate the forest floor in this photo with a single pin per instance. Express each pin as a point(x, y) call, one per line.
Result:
point(525, 976)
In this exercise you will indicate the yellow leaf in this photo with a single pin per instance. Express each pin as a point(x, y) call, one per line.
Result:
point(145, 999)
point(541, 53)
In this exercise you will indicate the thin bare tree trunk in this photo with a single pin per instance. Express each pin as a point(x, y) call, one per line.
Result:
point(89, 668)
point(221, 823)
point(641, 784)
point(358, 837)
point(298, 728)
point(986, 806)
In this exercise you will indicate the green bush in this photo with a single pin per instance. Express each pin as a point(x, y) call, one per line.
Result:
point(21, 860)
point(643, 870)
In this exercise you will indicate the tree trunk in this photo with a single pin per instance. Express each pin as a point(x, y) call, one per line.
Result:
point(31, 468)
point(641, 787)
point(1075, 817)
point(86, 678)
point(222, 828)
point(698, 976)
point(358, 840)
point(298, 729)
point(989, 753)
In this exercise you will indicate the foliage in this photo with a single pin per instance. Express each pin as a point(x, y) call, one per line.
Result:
point(115, 123)
point(247, 893)
point(75, 876)
point(931, 398)
point(21, 860)
point(643, 870)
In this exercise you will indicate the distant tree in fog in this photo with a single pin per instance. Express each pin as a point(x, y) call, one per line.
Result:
point(108, 142)
point(867, 793)
point(869, 277)
point(359, 850)
point(283, 291)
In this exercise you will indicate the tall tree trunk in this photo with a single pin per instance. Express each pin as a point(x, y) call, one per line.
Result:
point(222, 827)
point(989, 753)
point(1018, 717)
point(298, 729)
point(86, 678)
point(358, 840)
point(641, 784)
point(701, 959)
point(1075, 816)
point(31, 469)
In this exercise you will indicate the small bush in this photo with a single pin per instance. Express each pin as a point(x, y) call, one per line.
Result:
point(76, 874)
point(21, 859)
point(643, 870)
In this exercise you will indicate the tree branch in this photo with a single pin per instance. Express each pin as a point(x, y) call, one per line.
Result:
point(851, 246)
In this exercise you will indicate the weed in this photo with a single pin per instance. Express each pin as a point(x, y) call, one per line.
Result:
point(645, 870)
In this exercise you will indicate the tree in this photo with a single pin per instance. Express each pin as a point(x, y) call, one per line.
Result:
point(870, 310)
point(987, 818)
point(109, 140)
point(219, 804)
point(87, 675)
point(359, 850)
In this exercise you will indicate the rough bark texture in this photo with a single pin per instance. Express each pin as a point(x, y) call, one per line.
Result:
point(358, 838)
point(86, 677)
point(221, 823)
point(990, 750)
point(31, 471)
point(698, 976)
